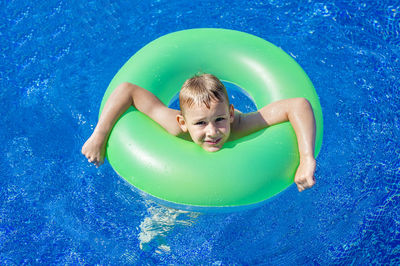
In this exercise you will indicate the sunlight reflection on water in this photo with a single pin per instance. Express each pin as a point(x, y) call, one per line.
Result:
point(158, 223)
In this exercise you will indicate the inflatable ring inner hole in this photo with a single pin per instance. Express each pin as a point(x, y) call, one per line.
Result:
point(239, 97)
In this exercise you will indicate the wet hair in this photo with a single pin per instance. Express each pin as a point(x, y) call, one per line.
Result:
point(202, 89)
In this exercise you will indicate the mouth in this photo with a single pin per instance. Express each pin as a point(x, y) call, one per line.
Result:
point(213, 141)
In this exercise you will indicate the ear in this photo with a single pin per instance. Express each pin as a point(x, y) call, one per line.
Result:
point(231, 113)
point(181, 122)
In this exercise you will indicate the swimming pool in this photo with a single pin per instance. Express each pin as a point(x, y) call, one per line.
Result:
point(57, 59)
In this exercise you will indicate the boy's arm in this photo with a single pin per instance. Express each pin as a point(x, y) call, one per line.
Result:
point(300, 114)
point(125, 95)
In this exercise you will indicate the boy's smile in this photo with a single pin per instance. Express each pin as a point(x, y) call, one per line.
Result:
point(208, 127)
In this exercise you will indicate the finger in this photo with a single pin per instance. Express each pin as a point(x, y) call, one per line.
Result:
point(92, 159)
point(300, 187)
point(311, 182)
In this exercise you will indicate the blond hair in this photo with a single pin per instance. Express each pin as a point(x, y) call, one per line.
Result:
point(202, 89)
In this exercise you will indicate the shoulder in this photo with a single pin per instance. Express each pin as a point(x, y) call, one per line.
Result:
point(271, 114)
point(246, 123)
point(170, 123)
point(167, 118)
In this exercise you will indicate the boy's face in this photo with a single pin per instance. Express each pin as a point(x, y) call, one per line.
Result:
point(208, 127)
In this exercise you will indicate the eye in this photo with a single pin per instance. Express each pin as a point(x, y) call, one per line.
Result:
point(200, 123)
point(219, 119)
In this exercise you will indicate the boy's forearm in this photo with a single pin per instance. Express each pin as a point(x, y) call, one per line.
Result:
point(301, 116)
point(118, 102)
point(124, 95)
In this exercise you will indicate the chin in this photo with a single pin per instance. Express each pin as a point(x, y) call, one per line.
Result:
point(211, 148)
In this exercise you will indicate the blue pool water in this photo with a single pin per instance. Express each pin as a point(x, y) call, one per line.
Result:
point(56, 60)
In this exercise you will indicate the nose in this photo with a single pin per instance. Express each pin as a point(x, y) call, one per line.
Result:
point(211, 130)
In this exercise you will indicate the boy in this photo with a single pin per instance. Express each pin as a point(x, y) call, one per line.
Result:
point(207, 118)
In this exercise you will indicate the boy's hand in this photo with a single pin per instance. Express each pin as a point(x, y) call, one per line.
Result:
point(94, 148)
point(304, 177)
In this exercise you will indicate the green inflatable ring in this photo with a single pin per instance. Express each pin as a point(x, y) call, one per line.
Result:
point(243, 174)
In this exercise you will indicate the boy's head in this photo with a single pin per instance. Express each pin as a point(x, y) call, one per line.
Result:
point(206, 112)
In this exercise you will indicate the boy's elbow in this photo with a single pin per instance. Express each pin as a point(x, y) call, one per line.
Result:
point(127, 85)
point(130, 88)
point(302, 103)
